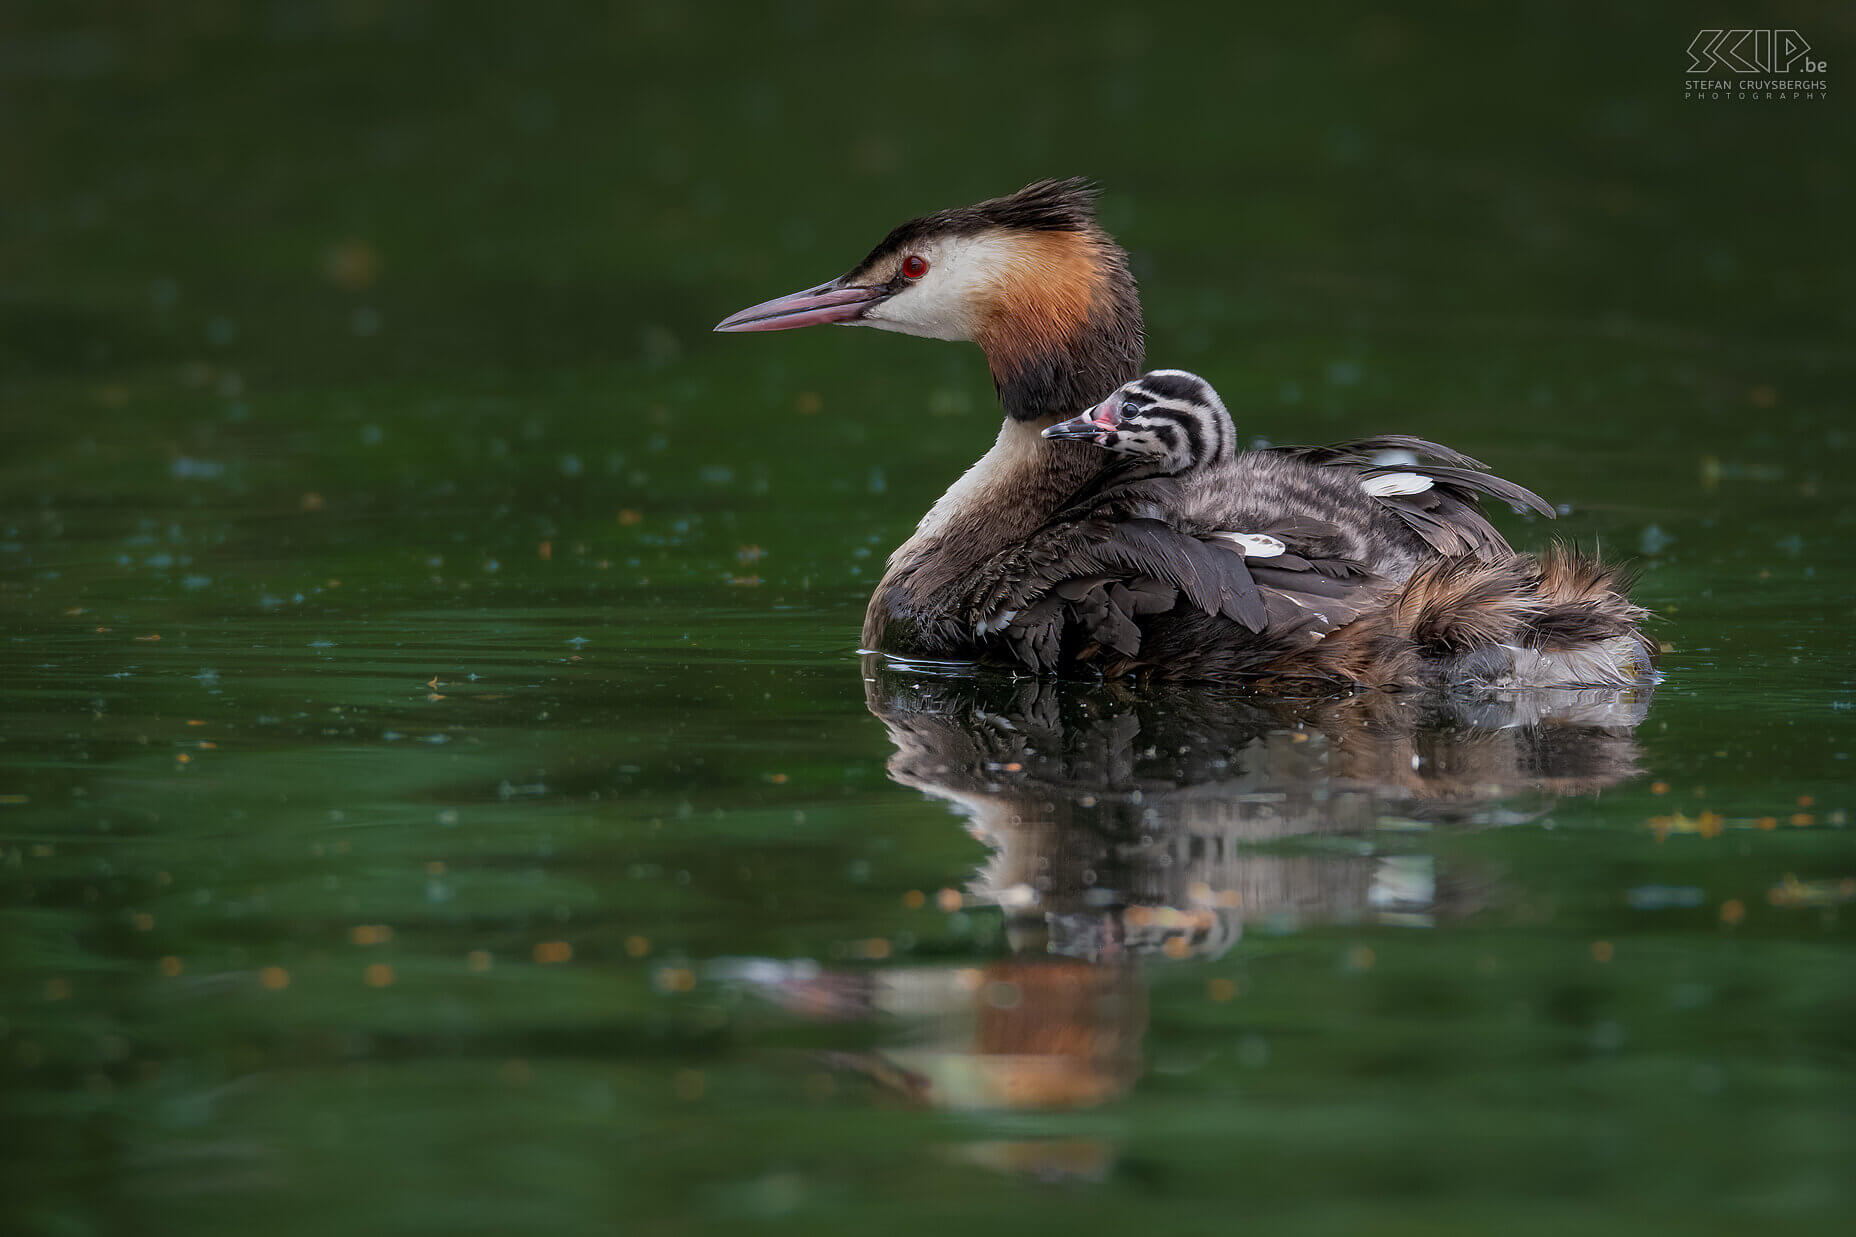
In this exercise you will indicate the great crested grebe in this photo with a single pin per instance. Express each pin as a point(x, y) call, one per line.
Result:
point(1050, 552)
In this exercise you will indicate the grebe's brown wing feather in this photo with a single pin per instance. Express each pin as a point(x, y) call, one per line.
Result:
point(1450, 523)
point(1084, 587)
point(1362, 450)
point(1447, 515)
point(1476, 481)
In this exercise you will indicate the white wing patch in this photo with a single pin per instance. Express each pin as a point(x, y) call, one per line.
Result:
point(998, 622)
point(1254, 545)
point(1392, 484)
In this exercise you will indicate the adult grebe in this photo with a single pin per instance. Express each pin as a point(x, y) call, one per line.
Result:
point(1048, 296)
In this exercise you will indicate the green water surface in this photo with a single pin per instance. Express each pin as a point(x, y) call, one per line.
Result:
point(439, 791)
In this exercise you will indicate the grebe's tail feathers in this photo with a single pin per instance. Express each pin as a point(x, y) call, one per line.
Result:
point(1558, 619)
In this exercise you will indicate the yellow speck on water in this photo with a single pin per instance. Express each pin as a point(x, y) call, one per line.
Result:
point(478, 960)
point(435, 867)
point(149, 639)
point(1602, 951)
point(1013, 766)
point(808, 404)
point(1220, 989)
point(183, 758)
point(43, 850)
point(675, 979)
point(1706, 824)
point(637, 946)
point(57, 989)
point(1803, 818)
point(1806, 801)
point(1361, 958)
point(378, 975)
point(311, 501)
point(12, 800)
point(874, 947)
point(548, 952)
point(351, 264)
point(1732, 911)
point(274, 978)
point(629, 517)
point(1792, 892)
point(545, 551)
point(143, 921)
point(778, 779)
point(370, 934)
point(170, 966)
point(915, 899)
point(689, 1084)
point(948, 900)
point(1659, 788)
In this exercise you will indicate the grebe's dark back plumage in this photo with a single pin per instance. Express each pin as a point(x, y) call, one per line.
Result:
point(1368, 561)
point(1327, 558)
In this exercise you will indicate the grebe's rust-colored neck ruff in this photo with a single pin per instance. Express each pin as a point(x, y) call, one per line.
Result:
point(1061, 326)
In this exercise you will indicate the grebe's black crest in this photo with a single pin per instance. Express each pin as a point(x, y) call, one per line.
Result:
point(1067, 205)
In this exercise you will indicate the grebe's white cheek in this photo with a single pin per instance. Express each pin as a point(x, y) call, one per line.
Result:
point(948, 302)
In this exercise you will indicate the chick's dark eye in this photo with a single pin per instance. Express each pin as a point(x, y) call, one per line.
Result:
point(914, 266)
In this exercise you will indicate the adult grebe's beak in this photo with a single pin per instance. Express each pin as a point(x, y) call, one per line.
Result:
point(829, 302)
point(1101, 419)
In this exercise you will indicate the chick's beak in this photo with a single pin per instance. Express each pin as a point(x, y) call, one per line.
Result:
point(1099, 420)
point(829, 302)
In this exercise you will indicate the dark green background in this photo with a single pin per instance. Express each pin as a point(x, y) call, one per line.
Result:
point(352, 347)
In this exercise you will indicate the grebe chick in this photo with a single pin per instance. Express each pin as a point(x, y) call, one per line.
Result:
point(1168, 422)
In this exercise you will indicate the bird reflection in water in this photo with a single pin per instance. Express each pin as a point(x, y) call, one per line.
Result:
point(1128, 827)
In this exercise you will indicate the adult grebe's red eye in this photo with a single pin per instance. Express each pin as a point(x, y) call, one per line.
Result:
point(914, 266)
